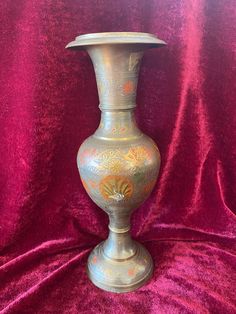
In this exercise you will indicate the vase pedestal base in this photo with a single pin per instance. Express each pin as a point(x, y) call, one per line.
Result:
point(119, 275)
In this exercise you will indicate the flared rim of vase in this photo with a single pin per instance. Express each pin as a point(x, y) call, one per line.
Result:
point(82, 41)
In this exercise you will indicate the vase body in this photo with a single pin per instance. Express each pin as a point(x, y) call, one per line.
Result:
point(118, 164)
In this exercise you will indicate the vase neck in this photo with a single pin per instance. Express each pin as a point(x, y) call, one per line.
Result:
point(119, 124)
point(116, 68)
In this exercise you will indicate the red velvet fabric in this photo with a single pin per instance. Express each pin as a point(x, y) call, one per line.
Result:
point(49, 105)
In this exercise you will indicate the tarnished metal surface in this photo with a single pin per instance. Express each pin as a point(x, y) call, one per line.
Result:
point(118, 164)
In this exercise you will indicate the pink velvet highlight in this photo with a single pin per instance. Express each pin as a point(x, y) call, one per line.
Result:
point(49, 105)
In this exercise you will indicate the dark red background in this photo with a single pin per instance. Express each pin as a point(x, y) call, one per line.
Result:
point(49, 105)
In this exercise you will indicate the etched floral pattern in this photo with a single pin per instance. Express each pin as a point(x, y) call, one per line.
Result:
point(137, 155)
point(115, 161)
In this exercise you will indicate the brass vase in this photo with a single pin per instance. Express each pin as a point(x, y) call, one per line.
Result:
point(118, 164)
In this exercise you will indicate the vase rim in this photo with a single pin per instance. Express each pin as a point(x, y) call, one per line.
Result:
point(84, 40)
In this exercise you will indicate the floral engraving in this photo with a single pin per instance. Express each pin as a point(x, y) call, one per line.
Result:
point(134, 60)
point(137, 155)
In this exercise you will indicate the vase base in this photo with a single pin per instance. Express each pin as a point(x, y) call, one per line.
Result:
point(122, 275)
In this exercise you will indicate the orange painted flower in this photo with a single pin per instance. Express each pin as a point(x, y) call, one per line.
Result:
point(116, 187)
point(122, 130)
point(94, 260)
point(131, 272)
point(128, 87)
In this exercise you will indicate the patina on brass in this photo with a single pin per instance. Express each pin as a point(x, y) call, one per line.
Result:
point(118, 164)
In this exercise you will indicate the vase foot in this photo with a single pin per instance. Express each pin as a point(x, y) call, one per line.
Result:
point(122, 275)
